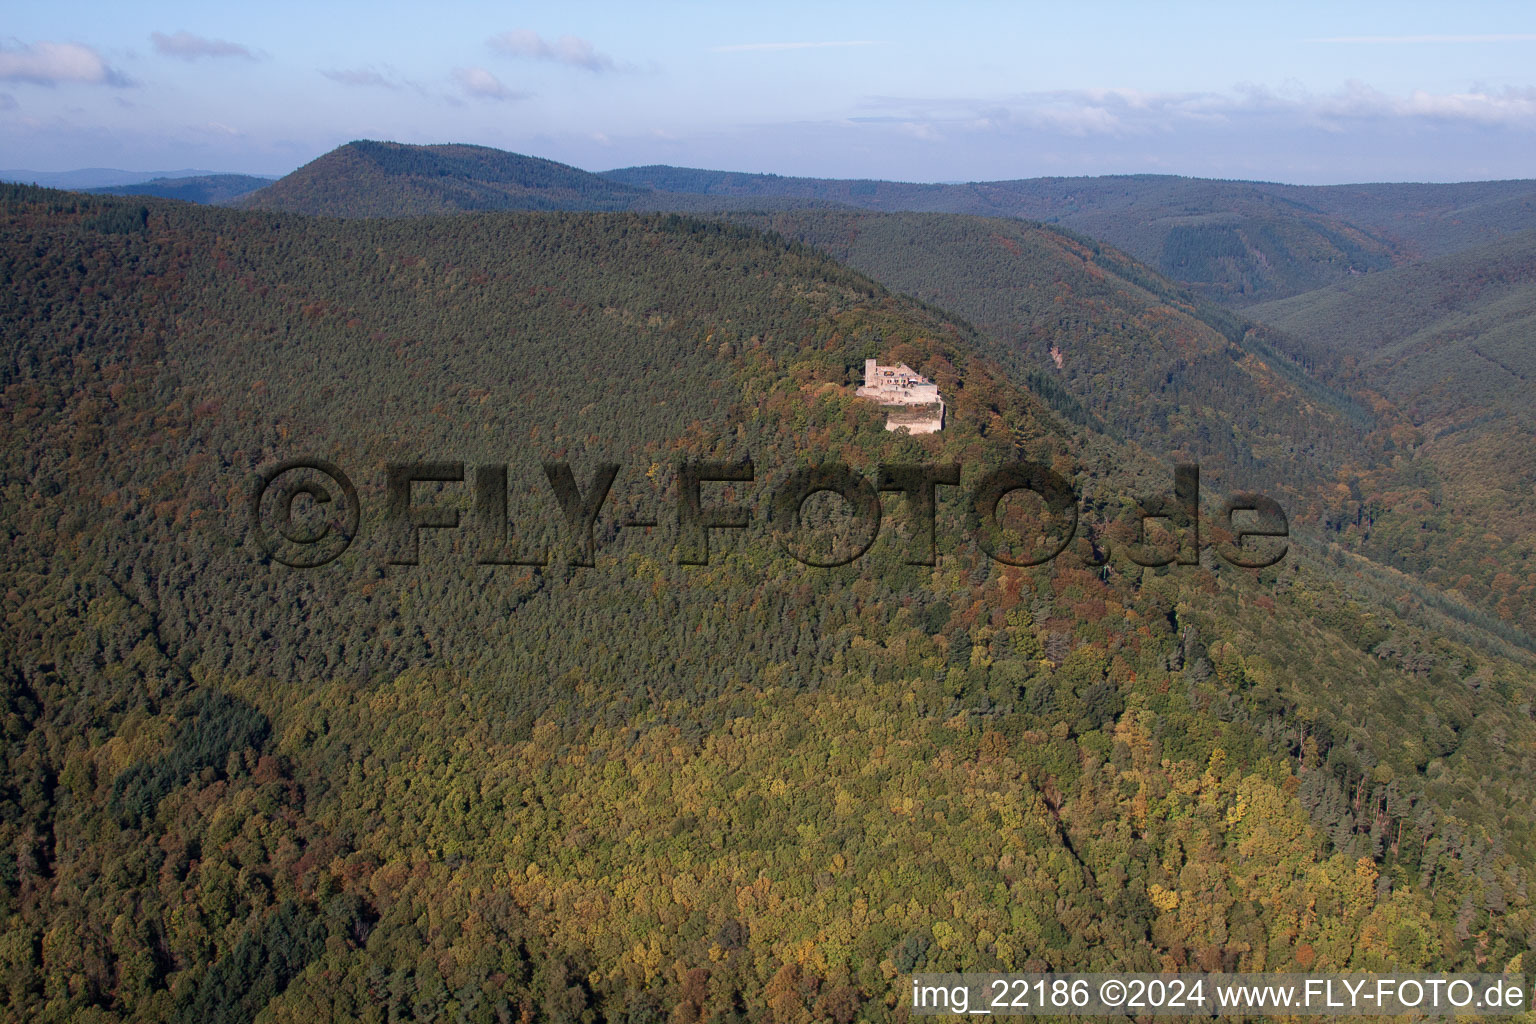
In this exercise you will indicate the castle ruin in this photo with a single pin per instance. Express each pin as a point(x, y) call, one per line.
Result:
point(915, 403)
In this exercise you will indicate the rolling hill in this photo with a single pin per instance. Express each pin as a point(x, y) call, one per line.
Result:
point(1430, 332)
point(1432, 219)
point(388, 179)
point(1237, 242)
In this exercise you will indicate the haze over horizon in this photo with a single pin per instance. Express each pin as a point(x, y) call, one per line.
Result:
point(1310, 95)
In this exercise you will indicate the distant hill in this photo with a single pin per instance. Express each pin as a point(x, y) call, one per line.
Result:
point(93, 177)
point(1430, 219)
point(390, 179)
point(1238, 242)
point(203, 188)
point(1423, 325)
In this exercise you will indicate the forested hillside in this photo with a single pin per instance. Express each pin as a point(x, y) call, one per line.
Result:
point(643, 790)
point(1447, 341)
point(1331, 399)
point(1433, 219)
point(1235, 242)
point(1109, 342)
point(388, 179)
point(1238, 242)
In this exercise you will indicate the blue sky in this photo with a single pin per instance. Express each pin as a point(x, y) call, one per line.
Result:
point(1308, 93)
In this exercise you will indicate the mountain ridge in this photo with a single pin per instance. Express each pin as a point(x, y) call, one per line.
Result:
point(1238, 242)
point(382, 179)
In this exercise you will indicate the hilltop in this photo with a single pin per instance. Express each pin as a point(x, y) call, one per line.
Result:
point(389, 179)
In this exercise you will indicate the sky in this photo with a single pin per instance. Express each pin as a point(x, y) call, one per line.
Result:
point(1310, 93)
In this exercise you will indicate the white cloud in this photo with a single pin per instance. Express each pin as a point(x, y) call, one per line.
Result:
point(382, 77)
point(54, 63)
point(744, 47)
point(1077, 112)
point(1510, 107)
point(359, 76)
point(482, 84)
point(186, 46)
point(571, 50)
point(1130, 112)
